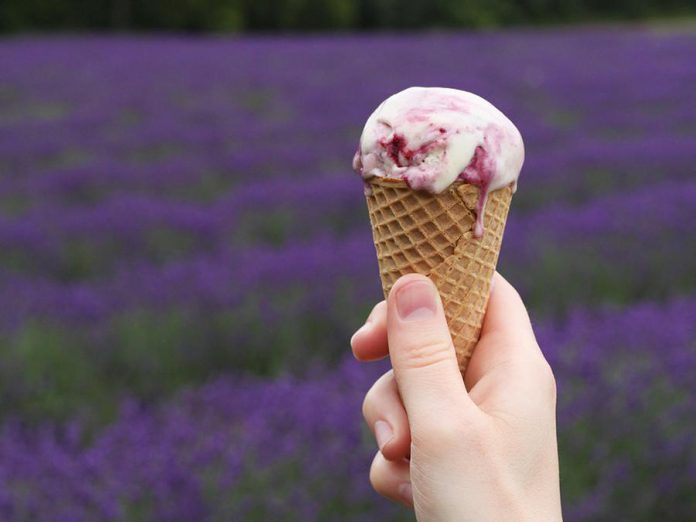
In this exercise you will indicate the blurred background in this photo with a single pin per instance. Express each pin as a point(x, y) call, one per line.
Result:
point(321, 15)
point(185, 251)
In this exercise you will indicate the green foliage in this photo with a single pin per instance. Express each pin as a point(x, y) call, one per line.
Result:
point(299, 14)
point(294, 15)
point(47, 374)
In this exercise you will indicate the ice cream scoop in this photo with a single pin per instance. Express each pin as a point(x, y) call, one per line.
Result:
point(432, 137)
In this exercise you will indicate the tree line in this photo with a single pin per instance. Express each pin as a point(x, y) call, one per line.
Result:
point(316, 15)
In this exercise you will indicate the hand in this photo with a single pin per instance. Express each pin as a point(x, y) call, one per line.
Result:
point(479, 448)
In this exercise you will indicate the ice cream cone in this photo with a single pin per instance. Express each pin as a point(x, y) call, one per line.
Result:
point(433, 235)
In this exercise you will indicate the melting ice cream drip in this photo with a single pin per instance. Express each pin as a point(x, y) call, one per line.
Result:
point(479, 173)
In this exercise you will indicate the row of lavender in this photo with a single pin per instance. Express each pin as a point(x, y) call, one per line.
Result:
point(242, 449)
point(95, 248)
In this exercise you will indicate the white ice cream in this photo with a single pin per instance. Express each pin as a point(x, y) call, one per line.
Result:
point(431, 137)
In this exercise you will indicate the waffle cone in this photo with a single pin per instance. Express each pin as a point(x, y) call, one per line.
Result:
point(433, 235)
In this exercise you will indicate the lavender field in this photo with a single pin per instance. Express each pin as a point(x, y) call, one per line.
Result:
point(185, 253)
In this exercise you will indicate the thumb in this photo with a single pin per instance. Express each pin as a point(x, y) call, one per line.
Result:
point(422, 353)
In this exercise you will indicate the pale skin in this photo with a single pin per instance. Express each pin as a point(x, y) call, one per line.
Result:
point(481, 448)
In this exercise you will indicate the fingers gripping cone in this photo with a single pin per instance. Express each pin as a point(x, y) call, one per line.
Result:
point(433, 234)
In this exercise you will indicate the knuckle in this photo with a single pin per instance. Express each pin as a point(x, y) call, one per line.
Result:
point(514, 293)
point(367, 404)
point(378, 310)
point(428, 352)
point(386, 380)
point(376, 474)
point(374, 395)
point(547, 381)
point(551, 387)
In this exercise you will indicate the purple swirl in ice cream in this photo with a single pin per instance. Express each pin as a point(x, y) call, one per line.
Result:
point(430, 137)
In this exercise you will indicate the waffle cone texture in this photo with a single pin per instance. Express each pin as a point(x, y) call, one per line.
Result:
point(433, 235)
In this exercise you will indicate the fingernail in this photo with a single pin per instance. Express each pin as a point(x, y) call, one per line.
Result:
point(383, 433)
point(406, 492)
point(416, 300)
